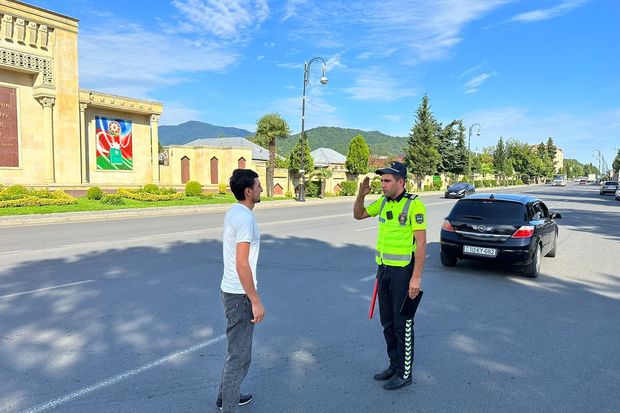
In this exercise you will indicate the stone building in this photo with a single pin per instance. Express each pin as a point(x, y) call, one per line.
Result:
point(54, 134)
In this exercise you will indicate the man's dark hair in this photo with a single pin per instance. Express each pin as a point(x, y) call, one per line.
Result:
point(241, 179)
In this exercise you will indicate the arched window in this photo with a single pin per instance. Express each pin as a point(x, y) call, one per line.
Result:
point(184, 169)
point(241, 163)
point(278, 190)
point(214, 164)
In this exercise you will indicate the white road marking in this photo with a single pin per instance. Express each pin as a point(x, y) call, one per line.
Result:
point(46, 289)
point(369, 278)
point(121, 377)
point(366, 229)
point(13, 252)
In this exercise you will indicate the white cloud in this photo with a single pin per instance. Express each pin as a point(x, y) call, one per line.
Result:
point(261, 57)
point(290, 8)
point(392, 118)
point(474, 83)
point(418, 30)
point(376, 85)
point(318, 112)
point(135, 61)
point(545, 14)
point(225, 19)
point(176, 113)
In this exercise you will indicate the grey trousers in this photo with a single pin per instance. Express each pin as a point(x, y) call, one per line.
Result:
point(239, 330)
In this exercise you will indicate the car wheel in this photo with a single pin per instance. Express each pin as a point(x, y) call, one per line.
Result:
point(447, 260)
point(532, 269)
point(555, 244)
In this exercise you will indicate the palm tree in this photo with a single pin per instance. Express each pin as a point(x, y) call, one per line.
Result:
point(269, 128)
point(323, 174)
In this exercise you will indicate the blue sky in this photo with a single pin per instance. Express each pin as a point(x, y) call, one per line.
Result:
point(521, 69)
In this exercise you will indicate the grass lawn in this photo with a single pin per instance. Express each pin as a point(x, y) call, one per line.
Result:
point(85, 204)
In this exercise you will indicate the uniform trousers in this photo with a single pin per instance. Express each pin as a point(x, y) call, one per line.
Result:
point(239, 331)
point(398, 331)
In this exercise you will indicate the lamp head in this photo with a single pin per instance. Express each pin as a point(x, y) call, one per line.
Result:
point(478, 133)
point(323, 80)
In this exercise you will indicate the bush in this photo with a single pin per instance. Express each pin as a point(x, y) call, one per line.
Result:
point(436, 185)
point(479, 184)
point(375, 186)
point(221, 189)
point(489, 182)
point(112, 199)
point(313, 189)
point(167, 191)
point(14, 192)
point(193, 188)
point(94, 193)
point(348, 188)
point(47, 198)
point(428, 188)
point(144, 196)
point(150, 189)
point(288, 194)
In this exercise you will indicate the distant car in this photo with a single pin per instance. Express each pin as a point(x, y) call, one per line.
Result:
point(459, 190)
point(583, 181)
point(609, 187)
point(512, 229)
point(617, 194)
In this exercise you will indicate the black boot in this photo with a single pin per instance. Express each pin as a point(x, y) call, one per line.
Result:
point(396, 382)
point(385, 375)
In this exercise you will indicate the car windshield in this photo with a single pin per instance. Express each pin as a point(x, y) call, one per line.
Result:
point(611, 183)
point(501, 212)
point(458, 187)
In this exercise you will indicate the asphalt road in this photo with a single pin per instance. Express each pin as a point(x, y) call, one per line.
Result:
point(125, 316)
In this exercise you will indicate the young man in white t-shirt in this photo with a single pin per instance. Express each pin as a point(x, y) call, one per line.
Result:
point(242, 304)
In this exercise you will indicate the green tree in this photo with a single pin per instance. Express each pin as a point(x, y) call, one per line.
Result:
point(616, 163)
point(449, 141)
point(357, 156)
point(269, 128)
point(572, 168)
point(421, 153)
point(322, 174)
point(460, 161)
point(551, 152)
point(294, 159)
point(501, 163)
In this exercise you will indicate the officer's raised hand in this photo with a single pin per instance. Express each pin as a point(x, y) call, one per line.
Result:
point(364, 187)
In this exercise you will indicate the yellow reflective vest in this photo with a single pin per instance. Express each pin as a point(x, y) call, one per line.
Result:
point(398, 219)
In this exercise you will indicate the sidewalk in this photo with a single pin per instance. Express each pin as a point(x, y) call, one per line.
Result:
point(65, 217)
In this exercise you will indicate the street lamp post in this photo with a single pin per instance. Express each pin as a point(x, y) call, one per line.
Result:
point(469, 151)
point(323, 80)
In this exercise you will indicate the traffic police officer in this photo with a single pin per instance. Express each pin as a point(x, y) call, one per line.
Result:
point(401, 249)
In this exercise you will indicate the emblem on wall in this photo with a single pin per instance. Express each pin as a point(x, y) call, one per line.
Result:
point(114, 144)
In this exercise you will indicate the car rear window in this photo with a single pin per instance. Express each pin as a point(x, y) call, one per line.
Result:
point(489, 211)
point(611, 183)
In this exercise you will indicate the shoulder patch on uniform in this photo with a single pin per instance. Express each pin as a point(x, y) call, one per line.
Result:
point(419, 218)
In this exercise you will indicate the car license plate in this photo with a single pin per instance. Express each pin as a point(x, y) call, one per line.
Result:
point(487, 252)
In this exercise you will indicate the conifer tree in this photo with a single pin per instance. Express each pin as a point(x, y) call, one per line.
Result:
point(357, 156)
point(421, 151)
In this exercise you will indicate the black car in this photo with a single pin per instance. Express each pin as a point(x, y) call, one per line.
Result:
point(512, 229)
point(459, 190)
point(609, 187)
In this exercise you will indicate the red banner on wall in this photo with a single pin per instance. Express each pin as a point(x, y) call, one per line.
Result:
point(9, 143)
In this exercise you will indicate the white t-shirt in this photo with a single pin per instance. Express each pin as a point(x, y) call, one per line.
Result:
point(239, 226)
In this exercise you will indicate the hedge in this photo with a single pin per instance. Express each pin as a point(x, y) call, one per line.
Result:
point(47, 198)
point(348, 188)
point(143, 196)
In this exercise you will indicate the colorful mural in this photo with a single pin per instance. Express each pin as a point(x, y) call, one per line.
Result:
point(114, 144)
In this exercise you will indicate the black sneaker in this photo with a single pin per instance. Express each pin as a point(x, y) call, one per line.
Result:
point(243, 400)
point(385, 375)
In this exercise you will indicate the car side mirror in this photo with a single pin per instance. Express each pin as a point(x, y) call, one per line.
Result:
point(555, 215)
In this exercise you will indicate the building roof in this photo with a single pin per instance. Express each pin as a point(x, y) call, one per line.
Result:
point(326, 157)
point(258, 152)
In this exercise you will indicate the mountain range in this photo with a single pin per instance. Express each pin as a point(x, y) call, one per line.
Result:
point(322, 137)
